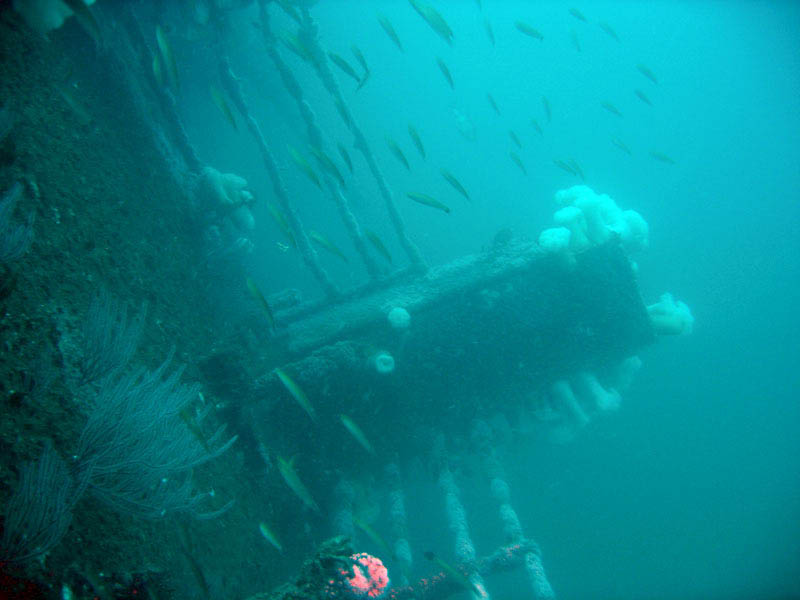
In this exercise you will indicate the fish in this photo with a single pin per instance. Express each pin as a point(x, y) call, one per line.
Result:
point(344, 113)
point(346, 157)
point(576, 167)
point(282, 222)
point(611, 108)
point(547, 111)
point(416, 139)
point(621, 145)
point(269, 536)
point(363, 62)
point(357, 433)
point(256, 293)
point(340, 62)
point(457, 575)
point(514, 138)
point(642, 97)
point(647, 73)
point(328, 165)
point(434, 18)
point(536, 126)
point(378, 244)
point(290, 10)
point(397, 152)
point(426, 200)
point(303, 165)
point(373, 535)
point(451, 179)
point(389, 29)
point(194, 427)
point(219, 100)
point(493, 104)
point(529, 30)
point(660, 156)
point(575, 41)
point(489, 31)
point(295, 45)
point(577, 14)
point(85, 19)
point(564, 166)
point(518, 161)
point(297, 393)
point(79, 110)
point(607, 28)
point(289, 475)
point(158, 70)
point(446, 72)
point(327, 244)
point(167, 58)
point(359, 57)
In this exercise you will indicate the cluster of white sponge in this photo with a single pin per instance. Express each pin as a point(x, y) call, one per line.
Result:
point(587, 219)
